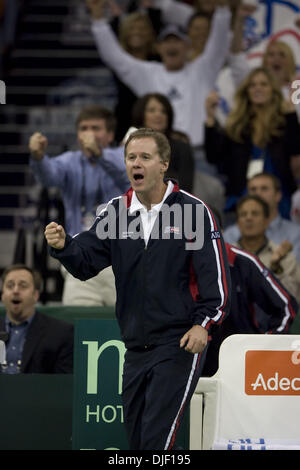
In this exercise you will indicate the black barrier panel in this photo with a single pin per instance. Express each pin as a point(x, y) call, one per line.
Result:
point(36, 411)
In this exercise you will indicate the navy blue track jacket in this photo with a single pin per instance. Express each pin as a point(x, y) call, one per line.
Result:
point(259, 304)
point(254, 285)
point(163, 289)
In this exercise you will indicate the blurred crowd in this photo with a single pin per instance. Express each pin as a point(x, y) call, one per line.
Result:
point(9, 12)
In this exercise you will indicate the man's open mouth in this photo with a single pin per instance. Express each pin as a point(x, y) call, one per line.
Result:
point(16, 301)
point(138, 176)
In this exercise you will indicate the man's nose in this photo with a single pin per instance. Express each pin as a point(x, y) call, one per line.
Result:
point(137, 162)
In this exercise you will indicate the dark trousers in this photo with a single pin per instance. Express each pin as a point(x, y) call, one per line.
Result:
point(158, 384)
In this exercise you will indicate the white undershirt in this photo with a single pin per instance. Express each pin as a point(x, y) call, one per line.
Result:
point(148, 217)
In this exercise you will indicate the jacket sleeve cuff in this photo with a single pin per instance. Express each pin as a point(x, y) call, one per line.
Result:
point(56, 253)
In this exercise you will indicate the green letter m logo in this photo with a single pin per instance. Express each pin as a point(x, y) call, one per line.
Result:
point(92, 363)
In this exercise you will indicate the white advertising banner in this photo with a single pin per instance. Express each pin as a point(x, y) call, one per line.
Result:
point(273, 20)
point(259, 393)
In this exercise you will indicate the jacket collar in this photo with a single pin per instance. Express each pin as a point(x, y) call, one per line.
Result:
point(136, 205)
point(130, 196)
point(231, 255)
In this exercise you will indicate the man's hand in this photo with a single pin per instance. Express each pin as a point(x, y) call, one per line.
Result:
point(281, 251)
point(115, 8)
point(88, 144)
point(194, 340)
point(37, 145)
point(244, 10)
point(55, 235)
point(96, 8)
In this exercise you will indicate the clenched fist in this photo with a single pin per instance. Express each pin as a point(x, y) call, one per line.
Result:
point(245, 9)
point(279, 253)
point(96, 8)
point(89, 144)
point(37, 145)
point(55, 235)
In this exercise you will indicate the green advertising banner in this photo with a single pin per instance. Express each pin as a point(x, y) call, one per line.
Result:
point(97, 404)
point(97, 386)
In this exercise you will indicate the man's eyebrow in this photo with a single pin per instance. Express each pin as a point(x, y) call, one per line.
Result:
point(142, 153)
point(21, 281)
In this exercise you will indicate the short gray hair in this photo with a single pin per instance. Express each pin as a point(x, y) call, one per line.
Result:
point(162, 143)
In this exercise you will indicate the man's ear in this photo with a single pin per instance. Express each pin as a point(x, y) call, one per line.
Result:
point(111, 137)
point(164, 166)
point(36, 295)
point(278, 196)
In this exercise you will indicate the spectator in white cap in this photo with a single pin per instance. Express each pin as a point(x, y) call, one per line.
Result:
point(186, 84)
